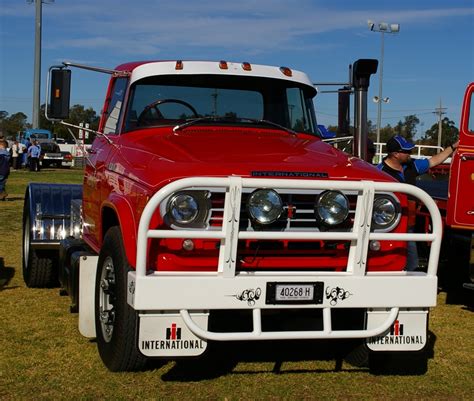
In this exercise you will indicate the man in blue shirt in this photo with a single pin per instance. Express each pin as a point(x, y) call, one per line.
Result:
point(403, 168)
point(34, 152)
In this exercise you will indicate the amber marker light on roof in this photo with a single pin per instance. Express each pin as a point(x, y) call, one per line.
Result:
point(179, 65)
point(286, 71)
point(246, 67)
point(223, 65)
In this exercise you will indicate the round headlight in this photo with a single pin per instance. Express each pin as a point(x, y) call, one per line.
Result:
point(183, 208)
point(332, 208)
point(265, 206)
point(385, 213)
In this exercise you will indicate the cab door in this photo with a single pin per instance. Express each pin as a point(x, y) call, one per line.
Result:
point(460, 213)
point(96, 187)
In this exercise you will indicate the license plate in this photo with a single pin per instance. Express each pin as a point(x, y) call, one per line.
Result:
point(294, 293)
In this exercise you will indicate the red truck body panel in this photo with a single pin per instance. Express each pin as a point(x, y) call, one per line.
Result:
point(460, 207)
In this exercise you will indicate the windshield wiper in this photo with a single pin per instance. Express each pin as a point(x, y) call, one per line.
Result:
point(267, 122)
point(196, 120)
point(219, 118)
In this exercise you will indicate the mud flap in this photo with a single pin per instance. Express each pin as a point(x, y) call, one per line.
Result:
point(166, 335)
point(87, 278)
point(407, 333)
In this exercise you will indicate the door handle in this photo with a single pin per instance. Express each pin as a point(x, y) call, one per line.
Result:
point(467, 157)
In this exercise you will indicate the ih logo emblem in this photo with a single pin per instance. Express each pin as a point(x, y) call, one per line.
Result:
point(396, 329)
point(173, 332)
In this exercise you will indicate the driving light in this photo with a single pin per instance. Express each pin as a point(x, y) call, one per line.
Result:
point(183, 208)
point(265, 206)
point(188, 209)
point(332, 208)
point(385, 214)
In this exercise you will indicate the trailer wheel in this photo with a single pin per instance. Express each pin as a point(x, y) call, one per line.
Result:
point(116, 321)
point(38, 267)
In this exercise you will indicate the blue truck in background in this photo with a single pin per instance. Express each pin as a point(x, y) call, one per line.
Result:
point(37, 133)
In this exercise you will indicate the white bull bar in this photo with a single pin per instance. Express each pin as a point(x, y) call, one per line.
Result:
point(223, 289)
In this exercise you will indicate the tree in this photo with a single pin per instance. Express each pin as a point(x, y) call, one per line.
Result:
point(12, 125)
point(407, 128)
point(77, 114)
point(386, 133)
point(372, 130)
point(411, 122)
point(398, 129)
point(450, 133)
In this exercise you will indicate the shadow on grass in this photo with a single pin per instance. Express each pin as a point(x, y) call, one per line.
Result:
point(6, 274)
point(222, 359)
point(13, 199)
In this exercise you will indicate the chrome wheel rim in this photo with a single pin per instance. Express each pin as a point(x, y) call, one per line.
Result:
point(26, 242)
point(107, 299)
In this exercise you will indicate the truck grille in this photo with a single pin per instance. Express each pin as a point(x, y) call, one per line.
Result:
point(298, 213)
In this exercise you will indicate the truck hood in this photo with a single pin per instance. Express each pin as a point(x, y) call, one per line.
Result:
point(222, 151)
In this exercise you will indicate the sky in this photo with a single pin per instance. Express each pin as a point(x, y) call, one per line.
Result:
point(431, 59)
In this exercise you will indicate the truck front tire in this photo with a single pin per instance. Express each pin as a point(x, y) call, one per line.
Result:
point(116, 322)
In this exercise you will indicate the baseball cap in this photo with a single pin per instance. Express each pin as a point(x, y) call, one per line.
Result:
point(398, 143)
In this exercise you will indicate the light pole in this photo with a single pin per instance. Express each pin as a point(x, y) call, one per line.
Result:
point(37, 65)
point(383, 28)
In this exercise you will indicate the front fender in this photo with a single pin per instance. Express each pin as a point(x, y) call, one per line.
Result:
point(125, 217)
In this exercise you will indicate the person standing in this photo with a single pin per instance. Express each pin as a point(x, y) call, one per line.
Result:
point(34, 152)
point(15, 154)
point(27, 144)
point(4, 168)
point(399, 164)
point(21, 152)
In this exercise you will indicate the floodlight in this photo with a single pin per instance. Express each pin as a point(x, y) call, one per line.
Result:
point(395, 28)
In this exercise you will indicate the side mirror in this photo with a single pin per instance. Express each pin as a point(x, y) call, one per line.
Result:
point(59, 94)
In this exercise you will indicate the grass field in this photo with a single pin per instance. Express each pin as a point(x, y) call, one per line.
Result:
point(43, 356)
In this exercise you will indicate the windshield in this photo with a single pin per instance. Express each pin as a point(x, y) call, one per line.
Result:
point(39, 136)
point(171, 100)
point(49, 147)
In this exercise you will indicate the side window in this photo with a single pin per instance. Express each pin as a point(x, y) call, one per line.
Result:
point(297, 111)
point(470, 122)
point(115, 106)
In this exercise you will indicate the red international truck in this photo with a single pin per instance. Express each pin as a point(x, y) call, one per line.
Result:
point(212, 210)
point(452, 188)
